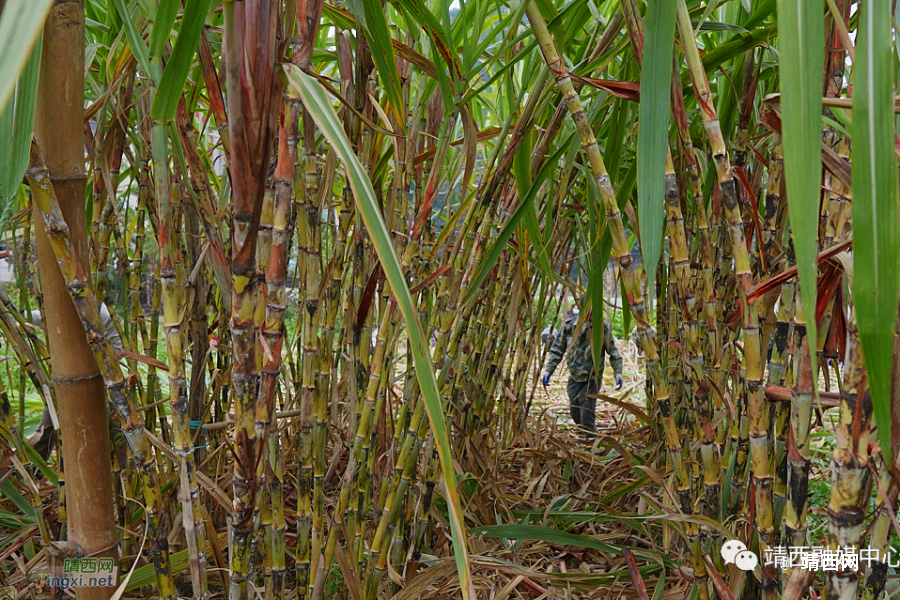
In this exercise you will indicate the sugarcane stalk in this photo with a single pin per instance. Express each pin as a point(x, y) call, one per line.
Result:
point(307, 228)
point(797, 500)
point(367, 495)
point(693, 340)
point(880, 536)
point(78, 287)
point(147, 211)
point(850, 481)
point(251, 30)
point(739, 433)
point(367, 499)
point(31, 355)
point(137, 324)
point(727, 184)
point(106, 221)
point(311, 398)
point(839, 198)
point(327, 375)
point(153, 389)
point(396, 497)
point(886, 507)
point(171, 270)
point(263, 514)
point(204, 202)
point(279, 220)
point(776, 371)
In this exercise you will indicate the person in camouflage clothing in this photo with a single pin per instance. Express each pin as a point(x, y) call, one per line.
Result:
point(584, 379)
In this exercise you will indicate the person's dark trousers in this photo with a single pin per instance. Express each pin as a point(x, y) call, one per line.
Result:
point(583, 407)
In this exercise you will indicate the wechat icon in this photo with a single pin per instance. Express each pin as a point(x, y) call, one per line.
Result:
point(736, 552)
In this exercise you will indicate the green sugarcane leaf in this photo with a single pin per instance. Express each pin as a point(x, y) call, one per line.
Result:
point(166, 13)
point(20, 27)
point(711, 6)
point(601, 244)
point(379, 37)
point(425, 19)
point(9, 491)
point(358, 9)
point(896, 21)
point(656, 74)
point(499, 242)
point(876, 236)
point(135, 39)
point(548, 9)
point(613, 153)
point(313, 96)
point(169, 90)
point(738, 44)
point(801, 33)
point(660, 586)
point(498, 73)
point(534, 234)
point(339, 17)
point(16, 126)
point(522, 169)
point(41, 464)
point(626, 310)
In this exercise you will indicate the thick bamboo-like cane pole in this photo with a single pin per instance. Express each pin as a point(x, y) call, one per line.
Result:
point(83, 416)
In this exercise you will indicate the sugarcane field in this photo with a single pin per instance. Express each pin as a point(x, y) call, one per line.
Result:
point(449, 299)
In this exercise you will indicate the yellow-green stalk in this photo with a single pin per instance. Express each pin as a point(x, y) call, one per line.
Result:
point(308, 272)
point(172, 280)
point(880, 536)
point(798, 451)
point(86, 305)
point(135, 311)
point(280, 223)
point(850, 475)
point(776, 369)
